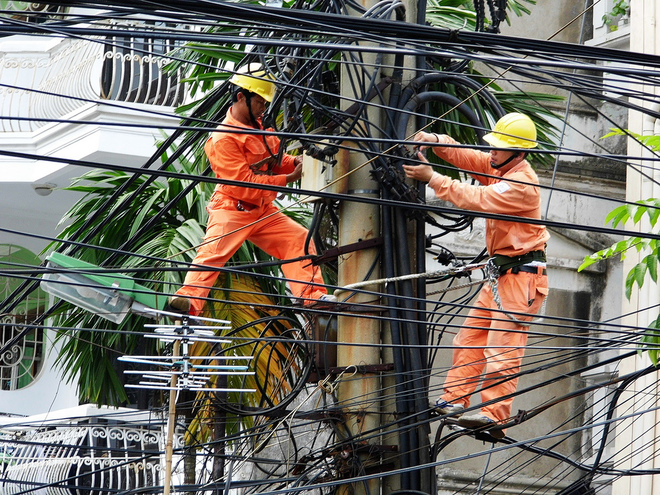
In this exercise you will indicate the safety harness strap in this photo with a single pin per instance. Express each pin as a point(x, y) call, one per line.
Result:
point(505, 263)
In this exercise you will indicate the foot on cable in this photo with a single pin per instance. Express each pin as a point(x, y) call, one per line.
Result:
point(326, 301)
point(481, 422)
point(176, 304)
point(181, 305)
point(447, 408)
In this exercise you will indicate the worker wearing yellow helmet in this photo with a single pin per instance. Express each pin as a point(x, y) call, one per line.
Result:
point(253, 80)
point(492, 340)
point(240, 212)
point(514, 130)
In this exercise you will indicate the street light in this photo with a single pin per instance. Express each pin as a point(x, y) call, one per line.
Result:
point(109, 295)
point(113, 296)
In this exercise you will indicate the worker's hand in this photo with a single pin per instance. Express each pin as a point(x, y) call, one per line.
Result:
point(297, 172)
point(422, 173)
point(425, 137)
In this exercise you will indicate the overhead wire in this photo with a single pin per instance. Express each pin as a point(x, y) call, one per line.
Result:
point(32, 273)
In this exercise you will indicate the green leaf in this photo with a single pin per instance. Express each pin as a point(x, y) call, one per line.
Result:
point(635, 276)
point(589, 260)
point(450, 17)
point(637, 213)
point(651, 262)
point(629, 284)
point(639, 272)
point(147, 210)
point(518, 8)
point(650, 341)
point(618, 215)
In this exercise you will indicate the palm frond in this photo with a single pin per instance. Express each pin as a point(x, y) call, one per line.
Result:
point(259, 330)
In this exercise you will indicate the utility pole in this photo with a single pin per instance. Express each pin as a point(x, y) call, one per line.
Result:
point(360, 395)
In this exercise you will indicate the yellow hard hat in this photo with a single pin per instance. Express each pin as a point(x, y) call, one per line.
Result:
point(254, 78)
point(514, 130)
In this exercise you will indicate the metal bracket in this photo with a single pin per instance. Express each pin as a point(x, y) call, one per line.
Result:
point(363, 369)
point(348, 248)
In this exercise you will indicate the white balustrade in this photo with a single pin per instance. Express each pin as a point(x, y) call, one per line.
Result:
point(74, 459)
point(38, 88)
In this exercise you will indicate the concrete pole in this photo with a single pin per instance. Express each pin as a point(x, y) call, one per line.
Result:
point(359, 394)
point(362, 395)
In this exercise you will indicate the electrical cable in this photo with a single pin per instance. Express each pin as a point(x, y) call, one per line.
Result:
point(441, 309)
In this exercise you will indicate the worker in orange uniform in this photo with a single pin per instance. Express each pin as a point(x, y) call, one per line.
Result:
point(493, 338)
point(239, 212)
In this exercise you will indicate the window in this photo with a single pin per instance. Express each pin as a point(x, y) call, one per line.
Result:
point(22, 347)
point(611, 25)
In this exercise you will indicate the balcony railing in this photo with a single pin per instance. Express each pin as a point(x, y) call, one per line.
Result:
point(82, 460)
point(41, 88)
point(22, 344)
point(30, 11)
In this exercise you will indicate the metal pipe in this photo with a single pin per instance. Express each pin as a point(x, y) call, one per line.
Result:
point(171, 422)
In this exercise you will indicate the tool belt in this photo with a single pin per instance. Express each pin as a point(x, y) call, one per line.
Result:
point(505, 263)
point(524, 268)
point(245, 206)
point(222, 201)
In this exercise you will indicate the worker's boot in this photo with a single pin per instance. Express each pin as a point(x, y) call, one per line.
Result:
point(446, 408)
point(482, 422)
point(176, 304)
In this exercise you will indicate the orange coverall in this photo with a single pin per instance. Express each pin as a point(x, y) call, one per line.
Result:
point(489, 342)
point(232, 156)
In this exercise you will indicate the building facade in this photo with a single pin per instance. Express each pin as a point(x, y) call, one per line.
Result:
point(117, 98)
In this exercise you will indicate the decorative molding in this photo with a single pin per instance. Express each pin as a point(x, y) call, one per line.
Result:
point(76, 73)
point(115, 458)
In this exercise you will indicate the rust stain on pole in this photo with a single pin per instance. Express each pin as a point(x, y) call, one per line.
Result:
point(359, 393)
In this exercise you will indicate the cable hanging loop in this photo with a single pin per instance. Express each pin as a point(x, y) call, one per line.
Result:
point(330, 388)
point(323, 386)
